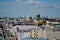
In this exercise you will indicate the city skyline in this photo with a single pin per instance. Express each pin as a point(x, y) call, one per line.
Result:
point(11, 8)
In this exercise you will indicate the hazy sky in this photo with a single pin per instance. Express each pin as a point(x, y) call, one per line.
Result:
point(11, 8)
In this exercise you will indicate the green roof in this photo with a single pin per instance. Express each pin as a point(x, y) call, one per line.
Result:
point(55, 24)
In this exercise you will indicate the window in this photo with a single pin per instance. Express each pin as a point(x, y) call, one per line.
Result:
point(34, 33)
point(0, 39)
point(0, 34)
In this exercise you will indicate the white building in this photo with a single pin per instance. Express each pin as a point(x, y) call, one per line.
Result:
point(24, 30)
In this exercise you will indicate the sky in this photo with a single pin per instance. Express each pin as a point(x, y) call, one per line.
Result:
point(20, 8)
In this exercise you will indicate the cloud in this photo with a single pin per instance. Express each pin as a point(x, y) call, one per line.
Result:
point(17, 1)
point(57, 5)
point(29, 6)
point(30, 3)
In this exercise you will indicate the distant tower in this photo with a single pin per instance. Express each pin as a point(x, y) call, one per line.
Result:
point(26, 16)
point(38, 16)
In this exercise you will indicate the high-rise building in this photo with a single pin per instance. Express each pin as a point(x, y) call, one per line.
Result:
point(38, 16)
